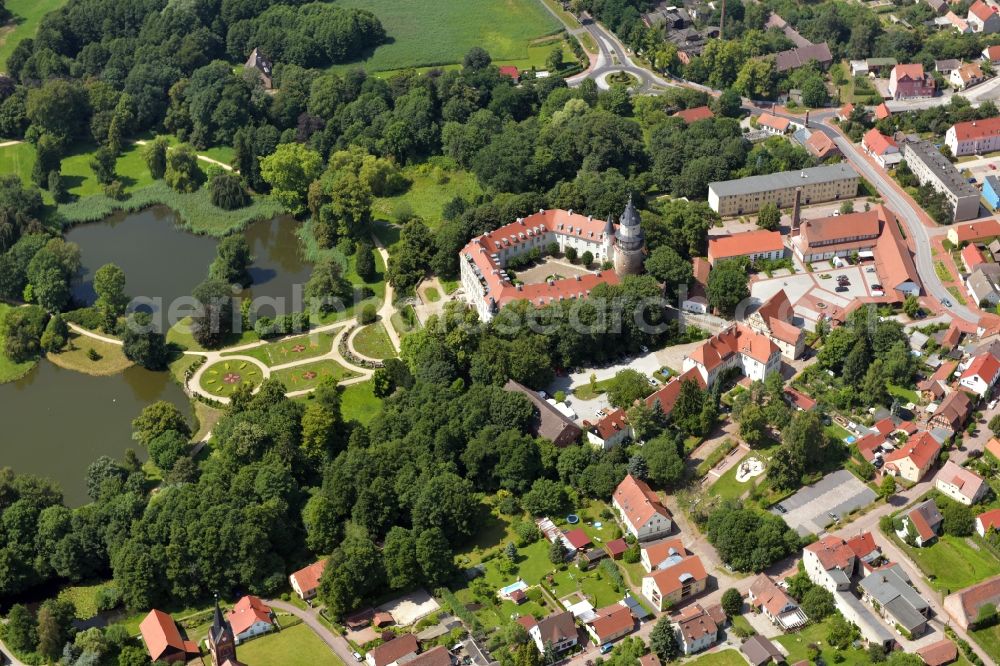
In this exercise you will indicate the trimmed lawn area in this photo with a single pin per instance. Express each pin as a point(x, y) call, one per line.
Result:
point(372, 341)
point(904, 394)
point(590, 391)
point(292, 349)
point(112, 359)
point(295, 646)
point(405, 320)
point(797, 643)
point(433, 184)
point(989, 640)
point(432, 294)
point(224, 377)
point(722, 658)
point(10, 371)
point(727, 487)
point(180, 335)
point(442, 32)
point(18, 160)
point(953, 563)
point(308, 376)
point(27, 15)
point(838, 432)
point(358, 402)
point(207, 417)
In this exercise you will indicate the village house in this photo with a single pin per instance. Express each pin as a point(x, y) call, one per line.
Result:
point(696, 297)
point(983, 285)
point(947, 66)
point(436, 656)
point(892, 594)
point(986, 521)
point(640, 510)
point(753, 245)
point(735, 347)
point(913, 460)
point(964, 606)
point(967, 75)
point(759, 651)
point(867, 552)
point(938, 653)
point(991, 54)
point(510, 71)
point(558, 630)
point(305, 581)
point(982, 18)
point(250, 617)
point(910, 81)
point(798, 400)
point(973, 137)
point(921, 524)
point(953, 411)
point(677, 578)
point(821, 146)
point(775, 604)
point(970, 232)
point(845, 112)
point(773, 124)
point(972, 257)
point(881, 112)
point(612, 622)
point(654, 554)
point(548, 421)
point(981, 375)
point(163, 639)
point(961, 484)
point(392, 652)
point(829, 563)
point(697, 629)
point(881, 148)
point(774, 319)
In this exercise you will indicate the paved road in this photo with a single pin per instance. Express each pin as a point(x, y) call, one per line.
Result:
point(310, 617)
point(612, 57)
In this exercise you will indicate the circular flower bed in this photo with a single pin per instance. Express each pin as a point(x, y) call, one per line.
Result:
point(223, 378)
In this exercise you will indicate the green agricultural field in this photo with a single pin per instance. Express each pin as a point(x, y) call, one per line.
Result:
point(953, 563)
point(374, 342)
point(441, 32)
point(10, 371)
point(989, 640)
point(292, 349)
point(224, 377)
point(309, 375)
point(27, 15)
point(358, 403)
point(295, 646)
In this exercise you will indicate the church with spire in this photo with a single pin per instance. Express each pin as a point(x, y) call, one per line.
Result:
point(221, 641)
point(610, 251)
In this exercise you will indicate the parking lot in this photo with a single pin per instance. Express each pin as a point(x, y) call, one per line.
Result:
point(814, 507)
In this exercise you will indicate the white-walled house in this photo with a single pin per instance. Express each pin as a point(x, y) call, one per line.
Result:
point(829, 563)
point(738, 346)
point(640, 509)
point(981, 375)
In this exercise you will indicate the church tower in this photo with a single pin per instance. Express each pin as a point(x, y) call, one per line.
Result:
point(221, 642)
point(629, 242)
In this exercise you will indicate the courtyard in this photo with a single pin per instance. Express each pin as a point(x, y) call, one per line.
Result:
point(552, 268)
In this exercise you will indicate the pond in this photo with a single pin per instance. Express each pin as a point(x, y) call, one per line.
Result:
point(56, 422)
point(163, 261)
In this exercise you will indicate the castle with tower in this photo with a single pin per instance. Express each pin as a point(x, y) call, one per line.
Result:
point(488, 286)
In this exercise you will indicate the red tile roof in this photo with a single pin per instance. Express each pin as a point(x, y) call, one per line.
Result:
point(938, 654)
point(612, 621)
point(667, 395)
point(921, 449)
point(882, 111)
point(867, 445)
point(693, 115)
point(247, 612)
point(968, 482)
point(737, 339)
point(617, 547)
point(673, 577)
point(820, 145)
point(990, 519)
point(954, 409)
point(160, 633)
point(973, 598)
point(846, 111)
point(834, 229)
point(993, 446)
point(799, 399)
point(661, 550)
point(578, 538)
point(833, 552)
point(971, 231)
point(694, 623)
point(611, 424)
point(308, 577)
point(986, 366)
point(862, 545)
point(980, 10)
point(878, 143)
point(649, 660)
point(912, 71)
point(509, 70)
point(993, 52)
point(925, 517)
point(394, 650)
point(768, 595)
point(701, 269)
point(774, 122)
point(436, 656)
point(638, 501)
point(743, 244)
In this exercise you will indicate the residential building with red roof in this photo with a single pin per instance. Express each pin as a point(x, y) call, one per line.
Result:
point(578, 539)
point(388, 654)
point(799, 400)
point(967, 75)
point(488, 286)
point(649, 660)
point(735, 347)
point(557, 631)
point(654, 554)
point(960, 483)
point(991, 54)
point(774, 319)
point(982, 18)
point(163, 639)
point(612, 622)
point(510, 71)
point(677, 578)
point(969, 232)
point(829, 563)
point(845, 111)
point(250, 617)
point(953, 411)
point(882, 111)
point(938, 385)
point(640, 509)
point(972, 257)
point(988, 520)
point(821, 146)
point(436, 656)
point(881, 148)
point(993, 447)
point(964, 606)
point(696, 628)
point(694, 115)
point(910, 81)
point(773, 124)
point(616, 548)
point(938, 653)
point(754, 245)
point(775, 604)
point(981, 375)
point(696, 299)
point(922, 523)
point(305, 581)
point(867, 552)
point(913, 460)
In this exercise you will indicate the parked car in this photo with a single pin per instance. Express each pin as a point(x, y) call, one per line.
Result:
point(357, 656)
point(877, 287)
point(841, 289)
point(644, 349)
point(993, 167)
point(946, 303)
point(870, 269)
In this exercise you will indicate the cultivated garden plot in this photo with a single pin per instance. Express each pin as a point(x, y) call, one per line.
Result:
point(302, 347)
point(224, 377)
point(308, 376)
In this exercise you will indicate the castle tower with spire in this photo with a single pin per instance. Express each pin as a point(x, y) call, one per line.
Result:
point(629, 242)
point(221, 642)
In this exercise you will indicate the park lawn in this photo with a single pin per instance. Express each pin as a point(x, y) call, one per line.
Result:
point(206, 416)
point(224, 154)
point(721, 658)
point(179, 364)
point(81, 182)
point(180, 334)
point(989, 640)
point(292, 349)
point(538, 54)
point(74, 357)
point(386, 232)
point(433, 184)
point(358, 403)
point(405, 320)
point(18, 160)
point(442, 32)
point(10, 371)
point(796, 645)
point(27, 15)
point(295, 646)
point(84, 598)
point(224, 377)
point(308, 376)
point(951, 563)
point(432, 294)
point(372, 341)
point(727, 487)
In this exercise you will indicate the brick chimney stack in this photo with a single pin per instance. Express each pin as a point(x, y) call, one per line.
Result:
point(797, 211)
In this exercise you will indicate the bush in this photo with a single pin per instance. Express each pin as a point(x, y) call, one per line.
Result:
point(364, 261)
point(368, 314)
point(92, 354)
point(228, 192)
point(115, 190)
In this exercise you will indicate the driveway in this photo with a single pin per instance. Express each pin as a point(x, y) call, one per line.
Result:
point(813, 507)
point(310, 617)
